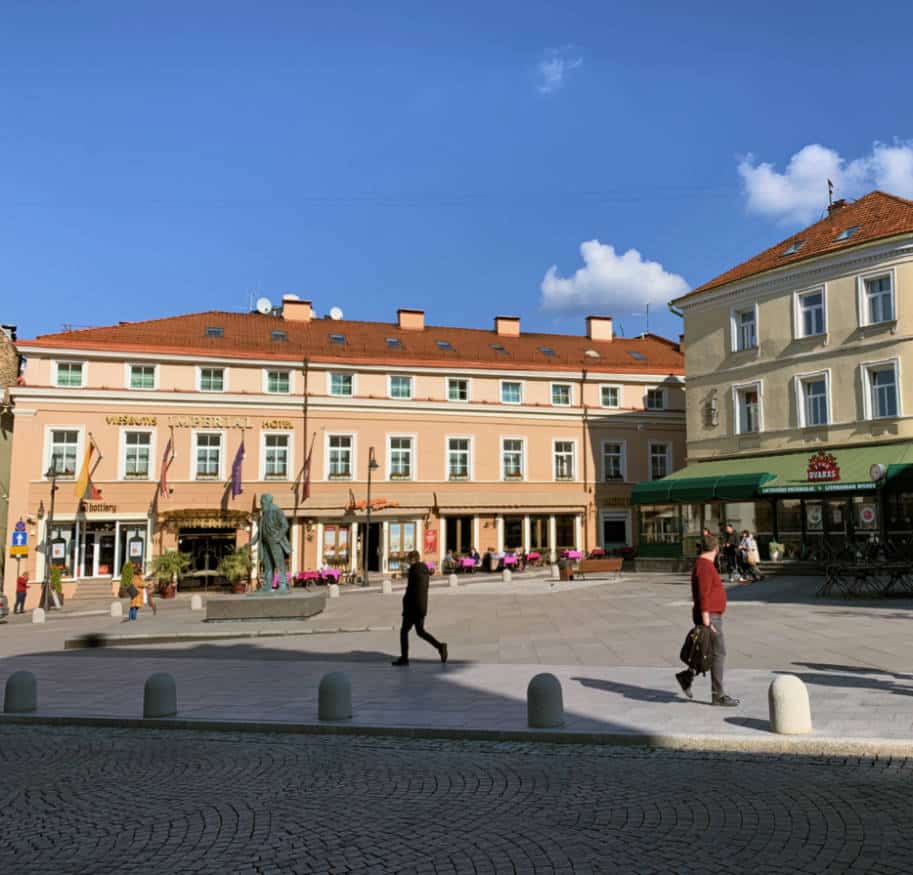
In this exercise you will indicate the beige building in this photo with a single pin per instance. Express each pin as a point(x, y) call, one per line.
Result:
point(9, 372)
point(495, 438)
point(800, 379)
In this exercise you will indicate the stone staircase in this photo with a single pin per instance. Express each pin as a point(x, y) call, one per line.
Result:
point(93, 589)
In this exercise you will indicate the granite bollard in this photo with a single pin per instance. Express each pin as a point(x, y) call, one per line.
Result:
point(544, 702)
point(160, 697)
point(117, 609)
point(556, 575)
point(386, 587)
point(333, 591)
point(453, 581)
point(790, 711)
point(506, 575)
point(334, 697)
point(196, 602)
point(38, 615)
point(21, 694)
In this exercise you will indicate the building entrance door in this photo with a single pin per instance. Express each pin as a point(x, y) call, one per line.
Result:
point(207, 548)
point(98, 558)
point(373, 548)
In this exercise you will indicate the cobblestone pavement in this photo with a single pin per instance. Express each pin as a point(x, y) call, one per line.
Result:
point(110, 801)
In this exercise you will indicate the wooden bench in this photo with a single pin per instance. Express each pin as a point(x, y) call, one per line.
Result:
point(611, 565)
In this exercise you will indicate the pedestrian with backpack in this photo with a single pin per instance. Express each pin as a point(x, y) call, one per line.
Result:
point(709, 604)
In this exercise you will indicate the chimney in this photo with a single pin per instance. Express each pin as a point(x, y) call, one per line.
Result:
point(599, 327)
point(296, 310)
point(836, 205)
point(410, 320)
point(507, 326)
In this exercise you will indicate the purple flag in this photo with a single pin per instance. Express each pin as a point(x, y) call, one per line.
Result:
point(236, 489)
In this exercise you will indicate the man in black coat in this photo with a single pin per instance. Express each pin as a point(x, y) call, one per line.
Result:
point(415, 609)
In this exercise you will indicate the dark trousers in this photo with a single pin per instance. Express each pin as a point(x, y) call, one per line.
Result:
point(20, 603)
point(719, 655)
point(419, 623)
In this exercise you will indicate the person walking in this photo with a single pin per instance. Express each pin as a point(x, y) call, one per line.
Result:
point(415, 609)
point(731, 552)
point(748, 548)
point(137, 601)
point(709, 597)
point(22, 587)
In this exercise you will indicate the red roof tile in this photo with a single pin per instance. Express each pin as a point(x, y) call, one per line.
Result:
point(877, 214)
point(249, 335)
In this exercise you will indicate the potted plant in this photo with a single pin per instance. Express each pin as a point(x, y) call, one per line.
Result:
point(57, 582)
point(236, 567)
point(167, 568)
point(775, 551)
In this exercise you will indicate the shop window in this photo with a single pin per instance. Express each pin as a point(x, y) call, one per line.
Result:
point(659, 524)
point(401, 451)
point(64, 444)
point(62, 543)
point(457, 389)
point(142, 376)
point(278, 382)
point(565, 533)
point(789, 515)
point(513, 533)
point(208, 456)
point(564, 460)
point(401, 544)
point(336, 545)
point(276, 453)
point(212, 379)
point(132, 546)
point(137, 449)
point(512, 458)
point(458, 458)
point(613, 461)
point(340, 456)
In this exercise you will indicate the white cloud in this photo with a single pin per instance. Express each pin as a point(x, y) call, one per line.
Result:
point(554, 66)
point(609, 282)
point(799, 194)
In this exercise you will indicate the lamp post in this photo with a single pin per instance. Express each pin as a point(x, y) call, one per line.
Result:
point(372, 467)
point(52, 476)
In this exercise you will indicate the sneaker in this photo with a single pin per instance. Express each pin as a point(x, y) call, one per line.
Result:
point(443, 653)
point(684, 681)
point(400, 661)
point(725, 701)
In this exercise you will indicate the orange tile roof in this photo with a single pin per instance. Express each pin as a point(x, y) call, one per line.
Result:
point(249, 335)
point(877, 214)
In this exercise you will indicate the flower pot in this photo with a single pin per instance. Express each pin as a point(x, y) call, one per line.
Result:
point(239, 587)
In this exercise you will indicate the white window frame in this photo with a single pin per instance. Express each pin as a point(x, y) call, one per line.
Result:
point(291, 380)
point(408, 377)
point(799, 382)
point(523, 465)
point(128, 376)
point(551, 392)
point(798, 321)
point(573, 477)
point(867, 368)
point(668, 446)
point(290, 471)
point(413, 462)
point(737, 388)
point(468, 383)
point(624, 459)
point(223, 449)
point(734, 327)
point(352, 451)
point(501, 391)
point(48, 443)
point(85, 373)
point(222, 368)
point(862, 299)
point(619, 389)
point(470, 462)
point(122, 454)
point(665, 395)
point(343, 373)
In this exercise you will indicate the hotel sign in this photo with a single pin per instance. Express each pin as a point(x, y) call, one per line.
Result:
point(823, 468)
point(131, 420)
point(224, 422)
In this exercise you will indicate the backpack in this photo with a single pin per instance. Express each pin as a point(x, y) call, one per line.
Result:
point(697, 651)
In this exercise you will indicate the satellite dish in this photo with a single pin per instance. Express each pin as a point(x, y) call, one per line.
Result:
point(264, 306)
point(336, 313)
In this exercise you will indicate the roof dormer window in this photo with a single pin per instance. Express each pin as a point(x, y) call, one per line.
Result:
point(794, 247)
point(338, 339)
point(214, 331)
point(846, 233)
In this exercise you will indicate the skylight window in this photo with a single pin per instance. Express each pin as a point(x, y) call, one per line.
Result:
point(591, 353)
point(637, 356)
point(394, 343)
point(445, 345)
point(546, 350)
point(280, 336)
point(338, 339)
point(794, 247)
point(213, 331)
point(499, 347)
point(846, 234)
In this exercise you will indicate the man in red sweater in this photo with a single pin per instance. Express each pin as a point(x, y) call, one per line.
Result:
point(709, 597)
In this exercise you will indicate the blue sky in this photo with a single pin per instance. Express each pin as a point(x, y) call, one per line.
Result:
point(169, 157)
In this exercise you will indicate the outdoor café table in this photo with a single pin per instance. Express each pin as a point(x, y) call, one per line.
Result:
point(510, 560)
point(468, 564)
point(570, 554)
point(533, 558)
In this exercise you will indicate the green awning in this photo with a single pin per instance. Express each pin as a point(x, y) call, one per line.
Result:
point(784, 474)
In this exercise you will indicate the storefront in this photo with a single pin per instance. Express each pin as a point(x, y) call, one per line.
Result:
point(206, 537)
point(816, 506)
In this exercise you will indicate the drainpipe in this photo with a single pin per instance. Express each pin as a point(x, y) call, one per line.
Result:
point(585, 454)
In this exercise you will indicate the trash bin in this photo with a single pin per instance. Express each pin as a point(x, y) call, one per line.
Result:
point(565, 570)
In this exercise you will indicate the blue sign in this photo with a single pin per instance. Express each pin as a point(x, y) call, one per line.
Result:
point(20, 526)
point(20, 539)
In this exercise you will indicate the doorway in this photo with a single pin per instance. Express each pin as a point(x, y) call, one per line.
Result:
point(206, 549)
point(98, 558)
point(615, 530)
point(373, 548)
point(458, 531)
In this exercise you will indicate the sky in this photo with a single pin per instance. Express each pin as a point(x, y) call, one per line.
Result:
point(540, 159)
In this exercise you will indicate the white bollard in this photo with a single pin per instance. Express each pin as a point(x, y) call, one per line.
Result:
point(160, 697)
point(38, 615)
point(454, 582)
point(544, 702)
point(196, 602)
point(506, 575)
point(555, 573)
point(117, 609)
point(790, 711)
point(386, 587)
point(333, 590)
point(21, 694)
point(334, 697)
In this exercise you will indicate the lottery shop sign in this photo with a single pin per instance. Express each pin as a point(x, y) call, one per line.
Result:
point(823, 468)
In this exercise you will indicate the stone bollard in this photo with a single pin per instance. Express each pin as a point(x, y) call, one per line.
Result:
point(160, 697)
point(790, 711)
point(117, 609)
point(453, 580)
point(333, 591)
point(196, 602)
point(544, 703)
point(334, 697)
point(386, 587)
point(556, 575)
point(21, 695)
point(38, 615)
point(506, 575)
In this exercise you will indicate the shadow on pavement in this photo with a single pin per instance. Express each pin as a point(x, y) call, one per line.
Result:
point(749, 723)
point(801, 591)
point(629, 691)
point(851, 677)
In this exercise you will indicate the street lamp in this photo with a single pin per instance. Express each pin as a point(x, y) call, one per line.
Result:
point(372, 467)
point(52, 476)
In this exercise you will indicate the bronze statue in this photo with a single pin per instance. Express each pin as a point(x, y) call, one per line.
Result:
point(274, 545)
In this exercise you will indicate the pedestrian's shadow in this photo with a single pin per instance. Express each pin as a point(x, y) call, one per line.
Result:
point(749, 723)
point(629, 691)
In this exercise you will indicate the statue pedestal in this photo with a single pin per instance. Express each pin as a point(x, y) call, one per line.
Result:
point(265, 606)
